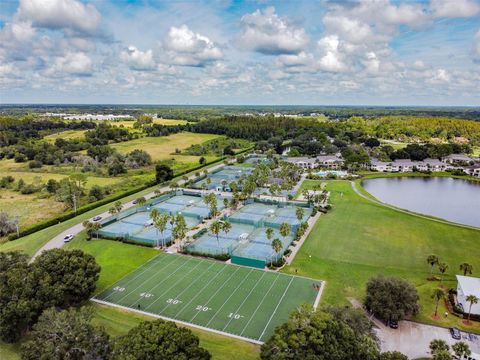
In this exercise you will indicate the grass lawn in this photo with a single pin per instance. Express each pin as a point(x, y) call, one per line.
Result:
point(162, 148)
point(358, 239)
point(66, 135)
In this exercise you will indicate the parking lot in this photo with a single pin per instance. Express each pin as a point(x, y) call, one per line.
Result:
point(413, 339)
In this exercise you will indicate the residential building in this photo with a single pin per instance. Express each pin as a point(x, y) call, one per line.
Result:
point(473, 170)
point(457, 159)
point(328, 161)
point(468, 285)
point(405, 165)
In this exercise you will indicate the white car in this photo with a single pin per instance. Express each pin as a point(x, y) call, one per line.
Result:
point(67, 238)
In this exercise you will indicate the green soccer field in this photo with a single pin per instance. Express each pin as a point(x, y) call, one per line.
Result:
point(238, 301)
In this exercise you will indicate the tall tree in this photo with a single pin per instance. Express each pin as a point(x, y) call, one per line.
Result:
point(310, 334)
point(284, 229)
point(438, 345)
point(432, 260)
point(472, 299)
point(160, 224)
point(269, 233)
point(300, 213)
point(391, 298)
point(277, 246)
point(68, 277)
point(158, 340)
point(179, 228)
point(466, 268)
point(442, 267)
point(66, 334)
point(438, 294)
point(215, 228)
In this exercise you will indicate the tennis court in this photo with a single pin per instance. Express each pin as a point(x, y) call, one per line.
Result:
point(237, 301)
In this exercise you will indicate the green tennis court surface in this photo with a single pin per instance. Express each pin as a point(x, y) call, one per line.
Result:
point(235, 300)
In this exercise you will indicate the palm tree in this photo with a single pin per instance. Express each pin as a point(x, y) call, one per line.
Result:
point(154, 214)
point(95, 226)
point(180, 228)
point(438, 294)
point(472, 299)
point(225, 203)
point(269, 233)
point(211, 201)
point(442, 268)
point(141, 201)
point(160, 223)
point(118, 206)
point(461, 349)
point(277, 245)
point(88, 226)
point(437, 346)
point(112, 210)
point(299, 213)
point(215, 228)
point(432, 260)
point(284, 229)
point(466, 268)
point(226, 227)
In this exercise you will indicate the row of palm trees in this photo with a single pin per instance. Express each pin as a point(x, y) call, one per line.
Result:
point(433, 260)
point(160, 222)
point(440, 350)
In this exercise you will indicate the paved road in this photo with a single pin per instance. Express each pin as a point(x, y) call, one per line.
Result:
point(57, 241)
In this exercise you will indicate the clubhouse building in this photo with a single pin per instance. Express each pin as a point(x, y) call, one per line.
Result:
point(468, 285)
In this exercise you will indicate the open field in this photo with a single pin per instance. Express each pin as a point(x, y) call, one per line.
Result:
point(129, 124)
point(66, 135)
point(241, 301)
point(28, 208)
point(358, 239)
point(163, 148)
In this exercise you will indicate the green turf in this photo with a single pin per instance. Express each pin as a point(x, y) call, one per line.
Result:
point(358, 239)
point(236, 300)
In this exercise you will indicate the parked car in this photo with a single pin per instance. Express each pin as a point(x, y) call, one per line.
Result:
point(97, 218)
point(67, 238)
point(455, 333)
point(393, 324)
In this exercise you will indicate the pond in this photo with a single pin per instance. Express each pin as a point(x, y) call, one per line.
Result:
point(455, 200)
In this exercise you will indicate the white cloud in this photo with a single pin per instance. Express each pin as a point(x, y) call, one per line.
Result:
point(56, 14)
point(476, 46)
point(187, 48)
point(454, 8)
point(332, 59)
point(137, 59)
point(76, 63)
point(267, 33)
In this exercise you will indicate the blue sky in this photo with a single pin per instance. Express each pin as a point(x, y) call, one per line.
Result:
point(321, 52)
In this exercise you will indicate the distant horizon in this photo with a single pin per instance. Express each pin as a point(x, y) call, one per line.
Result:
point(242, 105)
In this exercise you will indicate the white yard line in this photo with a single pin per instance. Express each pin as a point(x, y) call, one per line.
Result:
point(276, 308)
point(233, 292)
point(129, 281)
point(215, 293)
point(185, 323)
point(199, 292)
point(173, 285)
point(245, 299)
point(149, 278)
point(187, 287)
point(259, 305)
point(319, 295)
